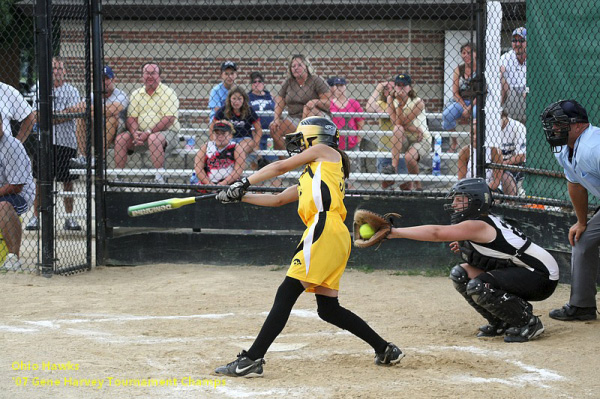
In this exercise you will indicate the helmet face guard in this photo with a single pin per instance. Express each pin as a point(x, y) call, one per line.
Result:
point(477, 200)
point(294, 143)
point(311, 131)
point(557, 119)
point(556, 126)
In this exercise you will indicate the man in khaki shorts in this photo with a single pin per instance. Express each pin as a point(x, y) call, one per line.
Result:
point(152, 121)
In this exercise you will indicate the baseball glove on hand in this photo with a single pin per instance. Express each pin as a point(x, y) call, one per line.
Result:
point(381, 224)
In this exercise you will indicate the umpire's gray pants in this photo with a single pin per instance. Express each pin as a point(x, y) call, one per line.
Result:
point(584, 265)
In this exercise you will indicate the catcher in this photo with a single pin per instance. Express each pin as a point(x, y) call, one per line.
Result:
point(321, 256)
point(503, 269)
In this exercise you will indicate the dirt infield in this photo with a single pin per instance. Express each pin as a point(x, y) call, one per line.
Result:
point(159, 331)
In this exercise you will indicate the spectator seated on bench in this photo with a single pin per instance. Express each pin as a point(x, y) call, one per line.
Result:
point(260, 101)
point(220, 161)
point(411, 134)
point(248, 130)
point(152, 122)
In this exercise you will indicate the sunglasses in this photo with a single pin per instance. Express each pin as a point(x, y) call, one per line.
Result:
point(519, 40)
point(257, 81)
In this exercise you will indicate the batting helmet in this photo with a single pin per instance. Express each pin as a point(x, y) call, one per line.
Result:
point(479, 200)
point(311, 131)
point(557, 119)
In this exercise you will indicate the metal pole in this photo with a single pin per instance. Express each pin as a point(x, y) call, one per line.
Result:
point(98, 81)
point(480, 96)
point(43, 19)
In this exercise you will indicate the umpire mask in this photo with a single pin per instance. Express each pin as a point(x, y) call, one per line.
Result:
point(557, 119)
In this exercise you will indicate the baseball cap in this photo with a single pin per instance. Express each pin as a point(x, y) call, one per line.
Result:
point(222, 126)
point(403, 79)
point(574, 110)
point(227, 65)
point(256, 75)
point(336, 80)
point(522, 31)
point(108, 72)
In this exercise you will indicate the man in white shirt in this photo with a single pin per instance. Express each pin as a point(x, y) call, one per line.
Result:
point(17, 191)
point(66, 101)
point(14, 107)
point(115, 115)
point(513, 72)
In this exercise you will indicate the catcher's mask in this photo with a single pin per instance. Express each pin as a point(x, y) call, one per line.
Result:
point(311, 131)
point(557, 119)
point(477, 200)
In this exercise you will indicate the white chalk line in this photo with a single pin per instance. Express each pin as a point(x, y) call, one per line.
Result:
point(530, 374)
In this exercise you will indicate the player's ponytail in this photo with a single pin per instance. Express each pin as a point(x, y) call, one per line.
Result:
point(345, 163)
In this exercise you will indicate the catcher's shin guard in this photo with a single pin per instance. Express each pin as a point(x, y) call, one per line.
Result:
point(506, 307)
point(460, 279)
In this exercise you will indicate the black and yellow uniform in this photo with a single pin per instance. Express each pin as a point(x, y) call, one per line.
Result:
point(323, 252)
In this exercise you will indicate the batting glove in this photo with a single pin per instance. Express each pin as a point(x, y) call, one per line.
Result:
point(223, 198)
point(236, 191)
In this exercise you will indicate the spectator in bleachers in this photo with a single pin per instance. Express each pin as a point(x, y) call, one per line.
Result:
point(65, 102)
point(513, 71)
point(513, 143)
point(497, 179)
point(377, 103)
point(218, 94)
point(261, 100)
point(219, 161)
point(304, 94)
point(17, 192)
point(411, 134)
point(341, 103)
point(14, 107)
point(115, 115)
point(152, 121)
point(237, 110)
point(462, 104)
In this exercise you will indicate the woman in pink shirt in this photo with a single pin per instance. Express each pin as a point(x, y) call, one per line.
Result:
point(341, 103)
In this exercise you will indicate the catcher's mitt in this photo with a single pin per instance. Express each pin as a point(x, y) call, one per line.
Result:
point(381, 224)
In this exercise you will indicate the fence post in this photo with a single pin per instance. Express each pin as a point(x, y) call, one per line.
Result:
point(43, 32)
point(480, 95)
point(98, 83)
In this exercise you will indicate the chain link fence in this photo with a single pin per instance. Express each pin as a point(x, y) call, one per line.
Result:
point(407, 86)
point(378, 72)
point(37, 176)
point(401, 83)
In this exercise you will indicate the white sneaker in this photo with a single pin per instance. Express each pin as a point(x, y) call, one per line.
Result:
point(12, 263)
point(33, 224)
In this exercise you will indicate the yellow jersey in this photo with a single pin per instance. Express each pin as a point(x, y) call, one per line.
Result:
point(324, 249)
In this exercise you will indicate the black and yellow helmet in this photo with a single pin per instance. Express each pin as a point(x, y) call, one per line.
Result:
point(312, 130)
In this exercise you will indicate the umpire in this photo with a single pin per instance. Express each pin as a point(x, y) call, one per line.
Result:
point(576, 145)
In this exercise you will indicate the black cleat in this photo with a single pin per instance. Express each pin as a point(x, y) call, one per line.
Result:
point(243, 366)
point(570, 313)
point(390, 356)
point(492, 330)
point(528, 332)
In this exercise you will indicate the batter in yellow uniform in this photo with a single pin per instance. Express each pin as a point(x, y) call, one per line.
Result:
point(323, 252)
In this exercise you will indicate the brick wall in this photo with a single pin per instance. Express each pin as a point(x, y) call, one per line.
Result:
point(190, 53)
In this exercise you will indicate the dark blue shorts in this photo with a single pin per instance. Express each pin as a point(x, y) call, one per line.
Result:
point(17, 202)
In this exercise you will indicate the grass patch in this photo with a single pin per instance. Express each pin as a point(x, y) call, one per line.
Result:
point(438, 272)
point(364, 269)
point(277, 268)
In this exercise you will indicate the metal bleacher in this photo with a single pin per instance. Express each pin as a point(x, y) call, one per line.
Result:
point(199, 131)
